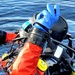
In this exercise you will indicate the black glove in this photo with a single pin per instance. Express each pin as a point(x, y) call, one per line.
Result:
point(2, 37)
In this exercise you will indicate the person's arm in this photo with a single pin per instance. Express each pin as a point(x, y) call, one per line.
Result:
point(10, 36)
point(26, 62)
point(6, 37)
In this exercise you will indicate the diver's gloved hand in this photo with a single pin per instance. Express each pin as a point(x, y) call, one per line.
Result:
point(2, 37)
point(47, 17)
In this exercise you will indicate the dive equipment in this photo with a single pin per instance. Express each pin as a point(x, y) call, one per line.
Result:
point(42, 65)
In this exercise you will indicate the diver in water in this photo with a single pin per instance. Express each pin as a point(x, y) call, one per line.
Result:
point(26, 62)
point(35, 42)
point(32, 49)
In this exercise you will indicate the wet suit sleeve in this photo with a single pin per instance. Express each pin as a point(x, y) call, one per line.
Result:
point(6, 37)
point(10, 36)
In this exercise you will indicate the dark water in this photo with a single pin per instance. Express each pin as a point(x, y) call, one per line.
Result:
point(14, 12)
